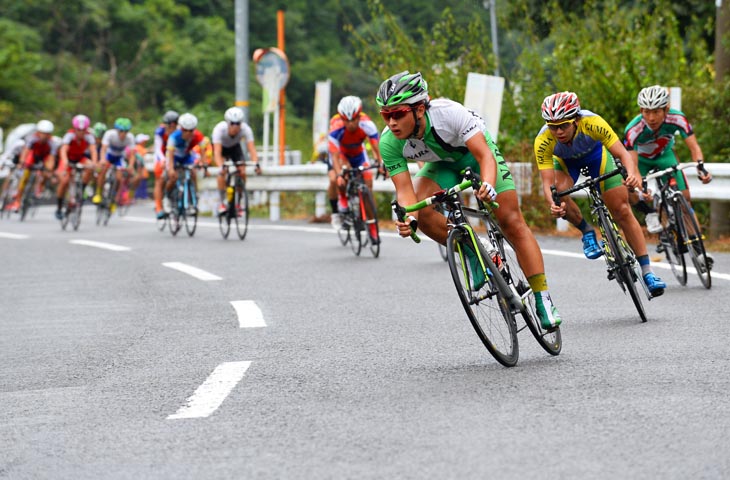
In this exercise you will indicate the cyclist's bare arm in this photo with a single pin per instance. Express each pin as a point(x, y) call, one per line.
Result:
point(218, 155)
point(253, 155)
point(696, 153)
point(63, 156)
point(478, 147)
point(633, 178)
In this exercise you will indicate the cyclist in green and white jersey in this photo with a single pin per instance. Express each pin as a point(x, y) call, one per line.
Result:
point(649, 138)
point(448, 137)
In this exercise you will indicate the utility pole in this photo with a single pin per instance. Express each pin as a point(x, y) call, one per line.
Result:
point(241, 54)
point(491, 5)
point(722, 33)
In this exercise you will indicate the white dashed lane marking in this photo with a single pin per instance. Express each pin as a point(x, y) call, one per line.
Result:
point(13, 236)
point(211, 394)
point(192, 271)
point(249, 314)
point(105, 246)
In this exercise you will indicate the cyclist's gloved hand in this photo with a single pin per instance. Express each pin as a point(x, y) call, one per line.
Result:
point(702, 173)
point(486, 193)
point(257, 168)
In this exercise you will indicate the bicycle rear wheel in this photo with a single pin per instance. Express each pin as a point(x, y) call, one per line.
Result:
point(488, 308)
point(369, 213)
point(550, 341)
point(693, 237)
point(241, 209)
point(624, 263)
point(669, 238)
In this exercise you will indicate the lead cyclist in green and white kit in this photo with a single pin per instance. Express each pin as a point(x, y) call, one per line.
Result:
point(448, 137)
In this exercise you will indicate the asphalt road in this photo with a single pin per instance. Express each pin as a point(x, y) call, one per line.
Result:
point(292, 358)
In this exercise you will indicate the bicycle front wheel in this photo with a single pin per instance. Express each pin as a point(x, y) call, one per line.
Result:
point(693, 236)
point(669, 238)
point(357, 229)
point(174, 215)
point(487, 308)
point(551, 341)
point(241, 210)
point(624, 263)
point(191, 212)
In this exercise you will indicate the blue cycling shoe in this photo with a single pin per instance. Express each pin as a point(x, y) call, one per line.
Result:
point(591, 248)
point(655, 284)
point(160, 215)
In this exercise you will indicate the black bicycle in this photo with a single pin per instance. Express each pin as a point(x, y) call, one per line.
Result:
point(492, 307)
point(680, 233)
point(236, 201)
point(621, 261)
point(360, 222)
point(184, 201)
point(74, 197)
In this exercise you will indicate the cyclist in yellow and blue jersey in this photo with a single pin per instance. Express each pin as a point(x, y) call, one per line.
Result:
point(571, 139)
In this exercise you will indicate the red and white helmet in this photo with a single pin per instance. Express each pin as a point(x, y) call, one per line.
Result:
point(559, 107)
point(80, 122)
point(349, 107)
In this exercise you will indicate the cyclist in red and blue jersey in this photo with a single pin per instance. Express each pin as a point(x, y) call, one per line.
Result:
point(117, 144)
point(572, 139)
point(39, 148)
point(77, 146)
point(180, 146)
point(162, 133)
point(649, 138)
point(348, 130)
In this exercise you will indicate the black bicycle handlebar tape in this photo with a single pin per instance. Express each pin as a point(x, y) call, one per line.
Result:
point(400, 213)
point(554, 192)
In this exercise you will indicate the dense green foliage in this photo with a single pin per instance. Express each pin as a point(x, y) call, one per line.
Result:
point(138, 58)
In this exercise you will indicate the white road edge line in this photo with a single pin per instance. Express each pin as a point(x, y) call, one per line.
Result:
point(249, 314)
point(13, 236)
point(105, 246)
point(192, 271)
point(210, 395)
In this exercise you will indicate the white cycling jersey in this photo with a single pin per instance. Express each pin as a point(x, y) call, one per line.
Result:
point(220, 135)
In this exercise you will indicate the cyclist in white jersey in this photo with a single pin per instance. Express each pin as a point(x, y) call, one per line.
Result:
point(227, 138)
point(116, 145)
point(449, 137)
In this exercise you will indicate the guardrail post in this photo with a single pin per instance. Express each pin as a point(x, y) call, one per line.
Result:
point(274, 206)
point(719, 213)
point(320, 207)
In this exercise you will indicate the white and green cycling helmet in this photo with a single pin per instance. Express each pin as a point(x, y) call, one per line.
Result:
point(402, 88)
point(653, 97)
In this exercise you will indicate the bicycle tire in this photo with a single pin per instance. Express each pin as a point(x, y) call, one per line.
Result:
point(344, 233)
point(371, 224)
point(26, 201)
point(669, 239)
point(9, 187)
point(488, 309)
point(692, 235)
point(161, 223)
point(174, 215)
point(241, 196)
point(358, 225)
point(551, 341)
point(625, 274)
point(224, 222)
point(191, 219)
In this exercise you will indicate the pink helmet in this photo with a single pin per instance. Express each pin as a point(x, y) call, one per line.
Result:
point(81, 122)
